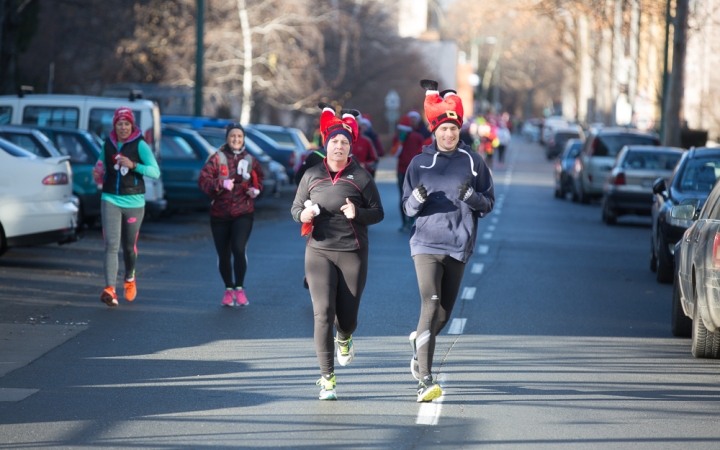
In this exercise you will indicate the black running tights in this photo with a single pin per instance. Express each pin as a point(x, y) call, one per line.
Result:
point(439, 278)
point(336, 281)
point(231, 236)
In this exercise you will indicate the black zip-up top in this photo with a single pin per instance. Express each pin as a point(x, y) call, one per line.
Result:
point(114, 182)
point(331, 229)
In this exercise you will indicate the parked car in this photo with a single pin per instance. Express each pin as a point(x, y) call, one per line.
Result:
point(531, 130)
point(37, 206)
point(284, 156)
point(83, 151)
point(31, 140)
point(549, 124)
point(695, 307)
point(184, 153)
point(93, 114)
point(275, 176)
point(690, 182)
point(563, 167)
point(628, 189)
point(597, 157)
point(290, 138)
point(559, 137)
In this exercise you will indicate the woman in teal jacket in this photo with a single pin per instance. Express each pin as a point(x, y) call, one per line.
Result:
point(124, 160)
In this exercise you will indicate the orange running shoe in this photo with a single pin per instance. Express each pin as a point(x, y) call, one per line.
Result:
point(130, 290)
point(108, 296)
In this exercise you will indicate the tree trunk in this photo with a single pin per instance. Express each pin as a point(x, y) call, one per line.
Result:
point(676, 88)
point(247, 63)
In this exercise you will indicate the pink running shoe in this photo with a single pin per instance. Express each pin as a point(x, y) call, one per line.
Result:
point(228, 298)
point(240, 298)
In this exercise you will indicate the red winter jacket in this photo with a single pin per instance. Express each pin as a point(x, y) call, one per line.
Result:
point(411, 147)
point(364, 152)
point(229, 204)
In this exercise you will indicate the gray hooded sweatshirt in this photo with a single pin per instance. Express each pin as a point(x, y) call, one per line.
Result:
point(446, 225)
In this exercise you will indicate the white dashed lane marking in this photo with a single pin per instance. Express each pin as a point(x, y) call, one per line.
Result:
point(429, 413)
point(457, 326)
point(483, 249)
point(468, 293)
point(487, 235)
point(477, 268)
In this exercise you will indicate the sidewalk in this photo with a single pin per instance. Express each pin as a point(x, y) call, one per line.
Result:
point(387, 169)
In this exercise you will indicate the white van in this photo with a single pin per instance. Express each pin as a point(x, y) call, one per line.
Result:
point(93, 114)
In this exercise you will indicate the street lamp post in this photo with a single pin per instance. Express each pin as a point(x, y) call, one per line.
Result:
point(199, 57)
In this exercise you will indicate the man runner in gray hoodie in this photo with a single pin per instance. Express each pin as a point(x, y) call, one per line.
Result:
point(447, 189)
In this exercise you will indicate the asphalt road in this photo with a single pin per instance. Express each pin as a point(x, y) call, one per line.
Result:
point(561, 340)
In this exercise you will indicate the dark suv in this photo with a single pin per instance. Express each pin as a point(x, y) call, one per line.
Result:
point(690, 182)
point(597, 158)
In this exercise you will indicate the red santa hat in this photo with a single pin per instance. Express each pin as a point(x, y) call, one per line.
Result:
point(123, 113)
point(331, 126)
point(441, 107)
point(404, 123)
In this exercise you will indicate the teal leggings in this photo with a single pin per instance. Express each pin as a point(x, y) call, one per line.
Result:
point(120, 225)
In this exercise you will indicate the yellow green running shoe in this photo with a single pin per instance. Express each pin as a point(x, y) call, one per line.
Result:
point(345, 351)
point(428, 390)
point(327, 387)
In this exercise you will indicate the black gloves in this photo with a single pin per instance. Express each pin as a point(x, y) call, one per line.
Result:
point(465, 191)
point(420, 193)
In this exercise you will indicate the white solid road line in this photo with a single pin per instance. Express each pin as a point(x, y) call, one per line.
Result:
point(429, 413)
point(477, 268)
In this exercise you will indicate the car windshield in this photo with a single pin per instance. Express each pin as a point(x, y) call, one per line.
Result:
point(283, 138)
point(14, 150)
point(28, 142)
point(650, 160)
point(573, 150)
point(176, 147)
point(214, 139)
point(562, 138)
point(610, 145)
point(79, 147)
point(700, 174)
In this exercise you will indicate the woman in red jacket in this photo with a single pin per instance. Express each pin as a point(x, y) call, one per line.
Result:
point(233, 179)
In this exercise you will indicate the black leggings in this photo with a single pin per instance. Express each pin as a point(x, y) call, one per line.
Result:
point(231, 236)
point(336, 281)
point(439, 278)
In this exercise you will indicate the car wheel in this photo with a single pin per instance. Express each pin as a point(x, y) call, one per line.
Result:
point(3, 242)
point(681, 325)
point(664, 266)
point(653, 258)
point(608, 215)
point(582, 196)
point(705, 344)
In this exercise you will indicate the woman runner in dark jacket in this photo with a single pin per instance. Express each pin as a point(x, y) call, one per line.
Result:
point(233, 179)
point(336, 201)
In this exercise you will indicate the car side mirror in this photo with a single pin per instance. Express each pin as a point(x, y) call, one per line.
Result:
point(660, 187)
point(683, 212)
